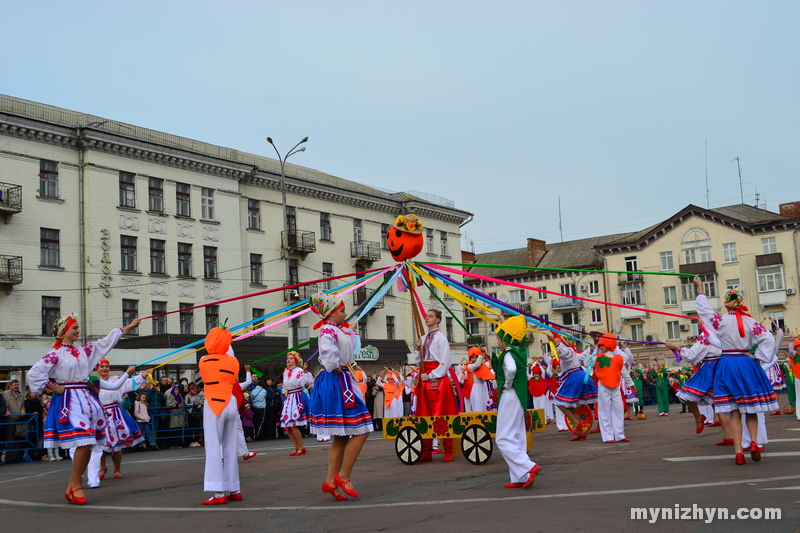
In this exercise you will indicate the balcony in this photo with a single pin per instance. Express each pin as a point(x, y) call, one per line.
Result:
point(769, 260)
point(366, 250)
point(566, 303)
point(773, 297)
point(10, 271)
point(629, 277)
point(632, 314)
point(690, 306)
point(476, 339)
point(10, 199)
point(525, 307)
point(299, 293)
point(706, 267)
point(303, 242)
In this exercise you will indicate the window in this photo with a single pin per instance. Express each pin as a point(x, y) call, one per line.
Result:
point(159, 322)
point(127, 253)
point(492, 295)
point(303, 334)
point(210, 262)
point(570, 319)
point(155, 195)
point(731, 284)
point(541, 296)
point(689, 291)
point(769, 245)
point(770, 279)
point(51, 309)
point(158, 256)
point(667, 262)
point(358, 232)
point(637, 332)
point(187, 319)
point(429, 241)
point(443, 241)
point(729, 253)
point(390, 328)
point(594, 287)
point(631, 264)
point(568, 289)
point(253, 214)
point(632, 294)
point(207, 203)
point(184, 259)
point(327, 272)
point(670, 296)
point(705, 254)
point(673, 330)
point(48, 179)
point(448, 327)
point(385, 236)
point(516, 296)
point(258, 313)
point(777, 316)
point(294, 276)
point(325, 226)
point(127, 189)
point(49, 247)
point(130, 311)
point(473, 326)
point(256, 274)
point(597, 316)
point(391, 288)
point(691, 255)
point(694, 328)
point(545, 318)
point(362, 328)
point(212, 317)
point(183, 199)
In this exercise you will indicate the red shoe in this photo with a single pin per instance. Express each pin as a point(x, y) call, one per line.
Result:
point(513, 485)
point(216, 501)
point(117, 475)
point(249, 455)
point(628, 418)
point(582, 436)
point(76, 500)
point(725, 442)
point(102, 473)
point(532, 476)
point(666, 414)
point(626, 439)
point(425, 457)
point(699, 429)
point(332, 490)
point(775, 412)
point(609, 442)
point(447, 457)
point(294, 453)
point(573, 431)
point(339, 482)
point(234, 497)
point(595, 430)
point(755, 452)
point(302, 452)
point(740, 459)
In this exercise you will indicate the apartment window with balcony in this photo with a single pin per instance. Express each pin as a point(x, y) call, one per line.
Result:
point(184, 260)
point(158, 256)
point(570, 319)
point(631, 264)
point(545, 318)
point(155, 195)
point(632, 294)
point(51, 310)
point(729, 254)
point(448, 327)
point(130, 311)
point(597, 316)
point(212, 317)
point(207, 203)
point(48, 179)
point(770, 279)
point(637, 332)
point(390, 328)
point(731, 284)
point(358, 231)
point(210, 262)
point(253, 214)
point(327, 272)
point(516, 296)
point(256, 272)
point(49, 246)
point(667, 261)
point(325, 227)
point(429, 248)
point(701, 254)
point(127, 251)
point(159, 322)
point(673, 330)
point(594, 287)
point(384, 236)
point(689, 291)
point(294, 275)
point(258, 313)
point(443, 241)
point(769, 245)
point(670, 296)
point(127, 189)
point(541, 296)
point(186, 315)
point(183, 199)
point(568, 289)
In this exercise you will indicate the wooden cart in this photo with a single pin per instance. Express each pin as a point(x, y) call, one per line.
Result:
point(471, 433)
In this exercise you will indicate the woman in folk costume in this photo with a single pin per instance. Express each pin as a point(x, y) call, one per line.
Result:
point(481, 376)
point(122, 431)
point(221, 422)
point(511, 374)
point(434, 392)
point(574, 387)
point(697, 391)
point(609, 366)
point(761, 437)
point(295, 411)
point(336, 408)
point(740, 384)
point(392, 386)
point(75, 419)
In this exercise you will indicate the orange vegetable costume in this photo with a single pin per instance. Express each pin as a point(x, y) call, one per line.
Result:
point(609, 366)
point(218, 371)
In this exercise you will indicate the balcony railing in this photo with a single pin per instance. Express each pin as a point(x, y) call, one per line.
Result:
point(300, 241)
point(10, 198)
point(359, 296)
point(566, 303)
point(706, 267)
point(10, 269)
point(769, 259)
point(522, 306)
point(476, 339)
point(300, 293)
point(368, 250)
point(630, 277)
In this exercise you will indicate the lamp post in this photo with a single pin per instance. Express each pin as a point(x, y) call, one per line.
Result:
point(282, 160)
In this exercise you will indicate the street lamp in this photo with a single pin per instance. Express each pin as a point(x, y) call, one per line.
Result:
point(282, 160)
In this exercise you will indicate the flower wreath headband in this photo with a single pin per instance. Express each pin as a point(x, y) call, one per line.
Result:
point(409, 223)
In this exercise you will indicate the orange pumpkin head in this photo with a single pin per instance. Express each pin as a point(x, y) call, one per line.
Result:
point(404, 238)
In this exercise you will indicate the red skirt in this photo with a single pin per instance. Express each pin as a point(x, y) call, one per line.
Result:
point(435, 397)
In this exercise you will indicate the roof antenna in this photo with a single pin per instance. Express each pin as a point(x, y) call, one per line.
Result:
point(560, 227)
point(708, 202)
point(741, 190)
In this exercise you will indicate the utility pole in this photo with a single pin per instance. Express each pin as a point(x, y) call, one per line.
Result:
point(708, 202)
point(741, 190)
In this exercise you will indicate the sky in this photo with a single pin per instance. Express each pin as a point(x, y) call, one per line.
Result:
point(620, 109)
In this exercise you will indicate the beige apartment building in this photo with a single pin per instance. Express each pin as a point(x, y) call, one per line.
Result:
point(114, 221)
point(735, 246)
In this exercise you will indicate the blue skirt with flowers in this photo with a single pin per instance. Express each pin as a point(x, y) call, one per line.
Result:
point(336, 406)
point(740, 383)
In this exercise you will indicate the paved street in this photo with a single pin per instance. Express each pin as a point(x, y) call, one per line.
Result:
point(583, 486)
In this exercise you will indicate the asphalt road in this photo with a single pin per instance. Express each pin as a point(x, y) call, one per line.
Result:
point(583, 486)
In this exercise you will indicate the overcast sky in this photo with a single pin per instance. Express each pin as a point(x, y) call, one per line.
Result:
point(502, 106)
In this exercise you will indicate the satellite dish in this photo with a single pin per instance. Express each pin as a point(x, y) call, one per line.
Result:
point(617, 325)
point(503, 298)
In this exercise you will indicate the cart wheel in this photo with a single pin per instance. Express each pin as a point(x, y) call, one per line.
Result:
point(586, 417)
point(477, 444)
point(408, 446)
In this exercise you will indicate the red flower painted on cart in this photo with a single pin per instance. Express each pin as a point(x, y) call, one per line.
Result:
point(528, 421)
point(440, 426)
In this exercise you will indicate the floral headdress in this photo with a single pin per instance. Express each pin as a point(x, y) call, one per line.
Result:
point(408, 223)
point(734, 301)
point(60, 327)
